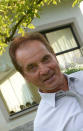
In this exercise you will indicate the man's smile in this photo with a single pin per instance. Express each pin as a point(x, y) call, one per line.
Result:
point(49, 79)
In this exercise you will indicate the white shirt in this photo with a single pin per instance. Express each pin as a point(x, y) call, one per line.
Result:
point(57, 112)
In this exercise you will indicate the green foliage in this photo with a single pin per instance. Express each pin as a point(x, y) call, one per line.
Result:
point(72, 70)
point(76, 2)
point(2, 47)
point(16, 15)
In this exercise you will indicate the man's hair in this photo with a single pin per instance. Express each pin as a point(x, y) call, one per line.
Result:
point(18, 41)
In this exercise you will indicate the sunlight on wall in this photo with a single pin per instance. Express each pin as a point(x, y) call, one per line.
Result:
point(81, 7)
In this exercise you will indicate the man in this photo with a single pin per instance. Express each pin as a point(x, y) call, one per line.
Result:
point(61, 106)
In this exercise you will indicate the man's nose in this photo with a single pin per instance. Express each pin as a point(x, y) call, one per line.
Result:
point(43, 69)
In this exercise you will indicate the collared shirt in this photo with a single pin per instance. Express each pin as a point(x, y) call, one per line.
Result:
point(59, 112)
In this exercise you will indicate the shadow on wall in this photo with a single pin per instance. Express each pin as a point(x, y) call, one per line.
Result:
point(26, 127)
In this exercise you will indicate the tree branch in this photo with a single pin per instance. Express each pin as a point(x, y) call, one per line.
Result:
point(14, 30)
point(38, 2)
point(15, 27)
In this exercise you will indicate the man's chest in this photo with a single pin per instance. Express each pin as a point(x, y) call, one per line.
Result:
point(65, 116)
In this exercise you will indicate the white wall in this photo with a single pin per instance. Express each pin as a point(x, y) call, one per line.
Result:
point(50, 17)
point(3, 124)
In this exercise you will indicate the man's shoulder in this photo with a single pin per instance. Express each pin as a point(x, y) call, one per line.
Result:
point(77, 74)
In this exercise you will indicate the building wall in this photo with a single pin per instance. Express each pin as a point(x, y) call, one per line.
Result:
point(50, 17)
point(3, 125)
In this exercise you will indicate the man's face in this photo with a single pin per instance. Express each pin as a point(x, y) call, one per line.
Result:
point(39, 65)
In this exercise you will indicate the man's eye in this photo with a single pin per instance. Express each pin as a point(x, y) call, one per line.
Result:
point(46, 59)
point(31, 68)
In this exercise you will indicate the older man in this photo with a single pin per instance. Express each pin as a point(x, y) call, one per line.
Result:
point(61, 106)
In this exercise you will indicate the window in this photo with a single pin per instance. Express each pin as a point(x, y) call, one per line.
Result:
point(66, 47)
point(17, 94)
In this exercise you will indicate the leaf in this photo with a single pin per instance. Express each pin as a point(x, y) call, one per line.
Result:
point(21, 31)
point(2, 47)
point(76, 2)
point(31, 26)
point(54, 2)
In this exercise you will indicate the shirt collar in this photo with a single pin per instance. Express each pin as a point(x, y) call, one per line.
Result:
point(50, 98)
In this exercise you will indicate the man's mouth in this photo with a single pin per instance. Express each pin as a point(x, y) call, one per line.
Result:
point(49, 79)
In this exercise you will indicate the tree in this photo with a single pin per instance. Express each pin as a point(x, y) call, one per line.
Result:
point(76, 2)
point(16, 15)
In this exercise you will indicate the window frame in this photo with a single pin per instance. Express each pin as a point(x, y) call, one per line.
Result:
point(59, 28)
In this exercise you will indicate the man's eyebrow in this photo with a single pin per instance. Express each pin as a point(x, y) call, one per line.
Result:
point(46, 56)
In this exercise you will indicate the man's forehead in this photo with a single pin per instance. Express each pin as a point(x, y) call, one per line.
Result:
point(30, 51)
point(31, 47)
